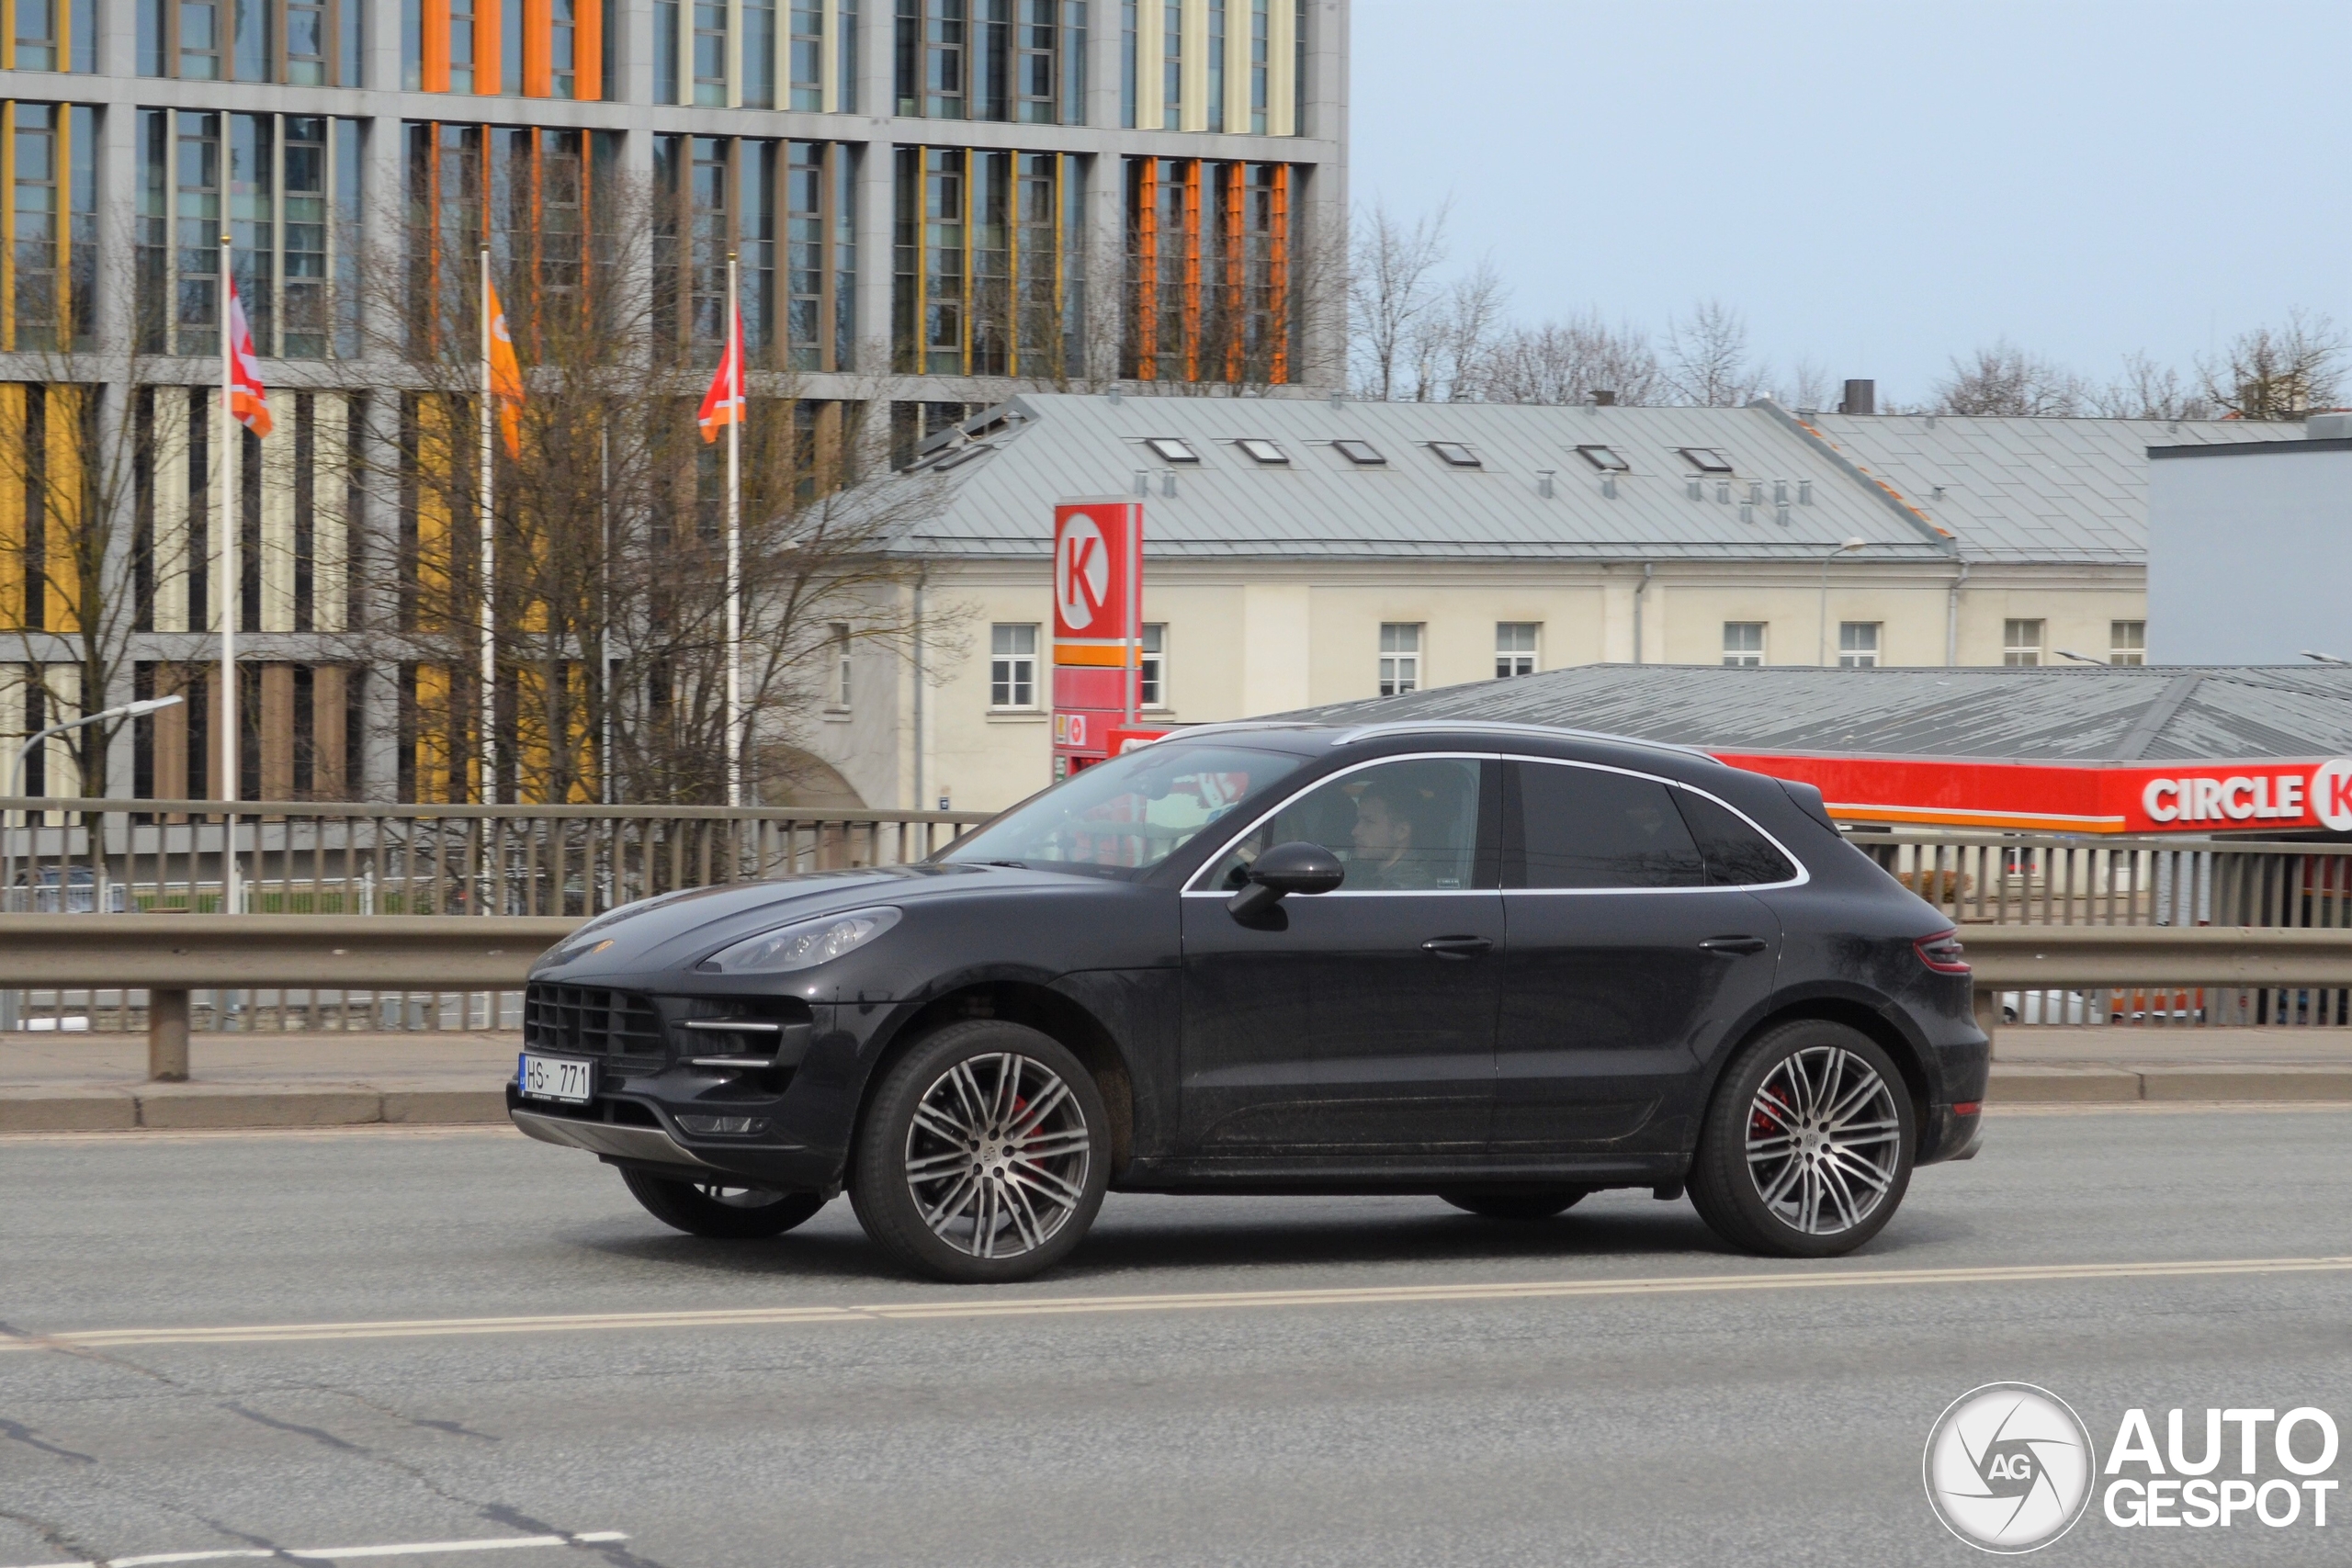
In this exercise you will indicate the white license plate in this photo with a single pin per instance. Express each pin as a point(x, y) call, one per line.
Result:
point(557, 1077)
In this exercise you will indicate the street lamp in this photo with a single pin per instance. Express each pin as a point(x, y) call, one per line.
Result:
point(17, 770)
point(1821, 625)
point(8, 1000)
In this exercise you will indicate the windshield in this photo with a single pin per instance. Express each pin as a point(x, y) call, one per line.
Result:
point(1128, 814)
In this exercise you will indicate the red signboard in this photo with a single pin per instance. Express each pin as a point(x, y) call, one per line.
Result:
point(2176, 798)
point(1098, 626)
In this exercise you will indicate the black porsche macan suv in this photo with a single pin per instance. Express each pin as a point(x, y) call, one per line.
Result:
point(1501, 965)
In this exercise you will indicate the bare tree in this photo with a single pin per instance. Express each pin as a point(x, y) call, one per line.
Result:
point(2005, 380)
point(2149, 390)
point(1567, 362)
point(1707, 361)
point(2283, 372)
point(1389, 293)
point(609, 594)
point(1806, 386)
point(1452, 339)
point(71, 462)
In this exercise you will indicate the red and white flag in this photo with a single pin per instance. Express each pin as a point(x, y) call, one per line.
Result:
point(248, 403)
point(723, 404)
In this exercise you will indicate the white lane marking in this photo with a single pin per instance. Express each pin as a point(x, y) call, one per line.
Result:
point(963, 1307)
point(339, 1554)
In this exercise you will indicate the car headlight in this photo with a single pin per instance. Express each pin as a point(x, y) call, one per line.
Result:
point(804, 946)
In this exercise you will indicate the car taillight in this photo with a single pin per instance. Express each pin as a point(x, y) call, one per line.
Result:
point(1943, 954)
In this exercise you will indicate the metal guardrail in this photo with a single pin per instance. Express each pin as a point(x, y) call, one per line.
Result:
point(2054, 879)
point(322, 859)
point(170, 958)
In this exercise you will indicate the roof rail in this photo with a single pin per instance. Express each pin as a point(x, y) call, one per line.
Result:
point(1501, 726)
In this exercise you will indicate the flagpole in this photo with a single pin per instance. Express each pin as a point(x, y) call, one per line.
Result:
point(489, 629)
point(734, 352)
point(232, 592)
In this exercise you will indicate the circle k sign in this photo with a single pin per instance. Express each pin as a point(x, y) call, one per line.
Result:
point(1095, 546)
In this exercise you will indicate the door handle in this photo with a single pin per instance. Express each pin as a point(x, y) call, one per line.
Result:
point(1456, 946)
point(1732, 947)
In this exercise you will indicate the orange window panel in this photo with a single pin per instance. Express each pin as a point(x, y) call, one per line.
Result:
point(539, 48)
point(588, 51)
point(1236, 265)
point(1148, 270)
point(436, 65)
point(1192, 302)
point(489, 45)
point(1278, 265)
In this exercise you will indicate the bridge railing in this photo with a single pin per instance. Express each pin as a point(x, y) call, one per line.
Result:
point(2058, 879)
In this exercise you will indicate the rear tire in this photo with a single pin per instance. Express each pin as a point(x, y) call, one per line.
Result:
point(1806, 1149)
point(718, 1211)
point(983, 1156)
point(1539, 1204)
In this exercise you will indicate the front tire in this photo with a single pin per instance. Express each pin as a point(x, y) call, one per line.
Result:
point(984, 1155)
point(1806, 1150)
point(1540, 1203)
point(716, 1210)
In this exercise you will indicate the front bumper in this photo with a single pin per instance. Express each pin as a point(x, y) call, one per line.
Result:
point(631, 1145)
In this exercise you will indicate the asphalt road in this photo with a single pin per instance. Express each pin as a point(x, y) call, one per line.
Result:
point(1584, 1418)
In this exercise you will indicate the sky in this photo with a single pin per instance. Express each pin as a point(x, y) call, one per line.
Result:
point(1878, 186)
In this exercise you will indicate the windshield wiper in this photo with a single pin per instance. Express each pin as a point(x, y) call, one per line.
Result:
point(1015, 864)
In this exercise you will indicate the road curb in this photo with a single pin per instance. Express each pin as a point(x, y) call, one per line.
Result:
point(2062, 1083)
point(195, 1107)
point(200, 1107)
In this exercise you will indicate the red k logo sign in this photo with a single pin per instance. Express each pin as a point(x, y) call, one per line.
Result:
point(1093, 570)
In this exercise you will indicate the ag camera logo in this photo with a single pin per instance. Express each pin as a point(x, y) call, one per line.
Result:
point(2009, 1467)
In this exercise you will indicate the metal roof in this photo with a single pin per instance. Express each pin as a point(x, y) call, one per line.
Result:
point(2013, 491)
point(2028, 487)
point(2075, 713)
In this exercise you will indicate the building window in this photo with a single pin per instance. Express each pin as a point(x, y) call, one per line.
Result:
point(2127, 642)
point(1208, 271)
point(709, 54)
point(1153, 683)
point(990, 275)
point(310, 43)
point(1743, 643)
point(49, 35)
point(994, 59)
point(838, 694)
point(1515, 648)
point(1172, 64)
point(1858, 645)
point(1012, 666)
point(49, 260)
point(2021, 642)
point(807, 76)
point(720, 193)
point(288, 186)
point(1400, 657)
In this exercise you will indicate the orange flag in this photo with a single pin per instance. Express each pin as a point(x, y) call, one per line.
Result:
point(723, 404)
point(248, 403)
point(505, 377)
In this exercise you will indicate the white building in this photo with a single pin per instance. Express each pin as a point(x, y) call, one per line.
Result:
point(1301, 552)
point(2247, 558)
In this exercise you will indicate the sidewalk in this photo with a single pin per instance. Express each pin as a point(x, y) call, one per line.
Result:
point(97, 1082)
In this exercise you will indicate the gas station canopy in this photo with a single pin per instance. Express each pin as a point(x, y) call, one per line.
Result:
point(2092, 749)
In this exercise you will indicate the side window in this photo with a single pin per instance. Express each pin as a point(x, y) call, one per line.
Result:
point(1397, 827)
point(1587, 828)
point(1736, 855)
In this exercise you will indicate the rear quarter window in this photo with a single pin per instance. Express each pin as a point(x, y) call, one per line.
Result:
point(1736, 855)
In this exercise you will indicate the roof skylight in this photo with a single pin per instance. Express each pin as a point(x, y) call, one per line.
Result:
point(1604, 458)
point(1168, 449)
point(1362, 453)
point(1262, 451)
point(1455, 455)
point(1706, 459)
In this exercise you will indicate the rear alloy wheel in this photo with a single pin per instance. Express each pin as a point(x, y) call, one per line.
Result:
point(982, 1157)
point(712, 1209)
point(1807, 1148)
point(1534, 1203)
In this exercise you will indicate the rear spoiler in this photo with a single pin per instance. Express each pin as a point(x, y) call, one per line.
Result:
point(1808, 800)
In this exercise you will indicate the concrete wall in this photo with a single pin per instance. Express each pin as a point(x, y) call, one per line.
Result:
point(2249, 550)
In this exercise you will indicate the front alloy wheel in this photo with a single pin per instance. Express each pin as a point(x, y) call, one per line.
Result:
point(1806, 1150)
point(980, 1158)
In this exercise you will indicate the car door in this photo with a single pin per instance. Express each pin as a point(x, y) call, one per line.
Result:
point(1630, 952)
point(1359, 1022)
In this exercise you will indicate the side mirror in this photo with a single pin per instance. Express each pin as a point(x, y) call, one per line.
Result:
point(1287, 869)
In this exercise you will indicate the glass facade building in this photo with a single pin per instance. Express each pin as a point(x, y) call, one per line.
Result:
point(931, 204)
